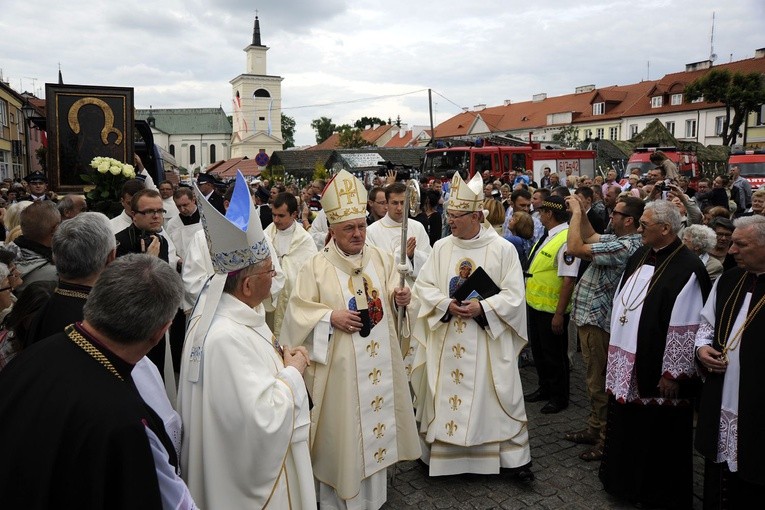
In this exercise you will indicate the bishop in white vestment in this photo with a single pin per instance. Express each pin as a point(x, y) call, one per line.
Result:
point(469, 397)
point(342, 309)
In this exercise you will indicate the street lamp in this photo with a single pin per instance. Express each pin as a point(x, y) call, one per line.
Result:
point(29, 112)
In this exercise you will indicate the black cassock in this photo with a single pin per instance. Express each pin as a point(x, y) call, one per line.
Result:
point(74, 433)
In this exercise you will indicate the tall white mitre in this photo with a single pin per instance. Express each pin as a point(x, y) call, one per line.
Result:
point(466, 196)
point(235, 241)
point(344, 198)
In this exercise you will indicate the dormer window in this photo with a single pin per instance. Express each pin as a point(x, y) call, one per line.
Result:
point(657, 101)
point(598, 108)
point(676, 99)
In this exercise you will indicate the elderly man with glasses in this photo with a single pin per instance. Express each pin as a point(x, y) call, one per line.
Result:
point(650, 374)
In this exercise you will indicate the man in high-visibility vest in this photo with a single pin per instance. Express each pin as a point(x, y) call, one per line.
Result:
point(550, 281)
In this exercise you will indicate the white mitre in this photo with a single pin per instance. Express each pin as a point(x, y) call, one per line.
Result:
point(344, 198)
point(466, 196)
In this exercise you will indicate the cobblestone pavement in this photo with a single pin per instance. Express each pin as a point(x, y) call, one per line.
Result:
point(563, 481)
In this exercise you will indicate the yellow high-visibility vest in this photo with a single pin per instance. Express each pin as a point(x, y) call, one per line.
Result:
point(544, 284)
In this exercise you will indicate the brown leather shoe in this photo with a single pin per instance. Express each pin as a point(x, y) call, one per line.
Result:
point(584, 436)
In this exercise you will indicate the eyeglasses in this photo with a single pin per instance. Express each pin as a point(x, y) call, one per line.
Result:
point(381, 203)
point(152, 212)
point(450, 216)
point(646, 225)
point(621, 214)
point(272, 271)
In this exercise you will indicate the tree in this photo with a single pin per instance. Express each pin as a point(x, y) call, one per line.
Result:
point(320, 171)
point(323, 127)
point(365, 121)
point(288, 131)
point(351, 138)
point(568, 136)
point(741, 93)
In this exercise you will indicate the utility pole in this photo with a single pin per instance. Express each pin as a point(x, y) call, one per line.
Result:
point(430, 107)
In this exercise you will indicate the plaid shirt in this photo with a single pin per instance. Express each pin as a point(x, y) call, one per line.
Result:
point(594, 294)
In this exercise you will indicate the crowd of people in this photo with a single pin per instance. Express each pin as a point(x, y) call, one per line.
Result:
point(260, 345)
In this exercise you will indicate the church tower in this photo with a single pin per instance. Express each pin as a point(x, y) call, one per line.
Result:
point(257, 105)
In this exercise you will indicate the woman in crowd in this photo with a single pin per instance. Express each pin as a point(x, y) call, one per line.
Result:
point(723, 228)
point(700, 239)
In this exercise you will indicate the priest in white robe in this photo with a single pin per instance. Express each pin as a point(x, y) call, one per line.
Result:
point(242, 398)
point(293, 247)
point(469, 397)
point(185, 223)
point(343, 310)
point(386, 233)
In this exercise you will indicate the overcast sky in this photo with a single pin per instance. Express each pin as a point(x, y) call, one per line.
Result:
point(333, 54)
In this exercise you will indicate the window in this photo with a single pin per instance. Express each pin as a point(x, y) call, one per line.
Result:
point(600, 133)
point(690, 129)
point(613, 133)
point(676, 99)
point(212, 153)
point(3, 113)
point(588, 133)
point(599, 108)
point(4, 168)
point(633, 130)
point(192, 154)
point(761, 115)
point(657, 102)
point(719, 122)
point(670, 127)
point(172, 150)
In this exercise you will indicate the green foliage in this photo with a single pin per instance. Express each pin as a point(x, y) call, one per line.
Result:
point(41, 153)
point(351, 138)
point(741, 93)
point(323, 127)
point(288, 131)
point(365, 121)
point(568, 136)
point(320, 171)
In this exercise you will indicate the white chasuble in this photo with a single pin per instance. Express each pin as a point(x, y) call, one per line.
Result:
point(466, 379)
point(362, 419)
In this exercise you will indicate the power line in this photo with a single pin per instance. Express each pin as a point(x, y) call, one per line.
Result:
point(351, 101)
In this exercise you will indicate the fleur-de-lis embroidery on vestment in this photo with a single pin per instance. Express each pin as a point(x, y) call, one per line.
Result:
point(457, 376)
point(455, 402)
point(379, 430)
point(451, 428)
point(373, 348)
point(458, 350)
point(380, 455)
point(377, 403)
point(374, 376)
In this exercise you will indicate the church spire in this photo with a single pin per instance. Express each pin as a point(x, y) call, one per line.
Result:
point(256, 32)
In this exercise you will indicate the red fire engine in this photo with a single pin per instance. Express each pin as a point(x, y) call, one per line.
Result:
point(501, 161)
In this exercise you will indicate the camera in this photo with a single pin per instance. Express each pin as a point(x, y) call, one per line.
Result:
point(663, 185)
point(403, 172)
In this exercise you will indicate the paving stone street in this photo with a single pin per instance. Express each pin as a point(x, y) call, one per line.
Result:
point(563, 481)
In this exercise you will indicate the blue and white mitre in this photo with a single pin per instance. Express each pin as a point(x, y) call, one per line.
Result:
point(235, 241)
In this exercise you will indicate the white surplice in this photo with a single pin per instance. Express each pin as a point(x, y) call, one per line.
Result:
point(293, 247)
point(386, 235)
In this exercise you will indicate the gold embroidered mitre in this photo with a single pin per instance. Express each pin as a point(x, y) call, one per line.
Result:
point(344, 198)
point(466, 196)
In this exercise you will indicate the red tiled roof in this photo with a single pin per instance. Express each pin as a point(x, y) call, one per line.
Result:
point(621, 101)
point(400, 141)
point(370, 135)
point(227, 169)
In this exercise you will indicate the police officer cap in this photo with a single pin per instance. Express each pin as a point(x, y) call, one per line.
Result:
point(202, 178)
point(37, 177)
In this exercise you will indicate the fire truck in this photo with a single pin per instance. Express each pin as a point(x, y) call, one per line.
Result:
point(502, 161)
point(687, 163)
point(751, 163)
